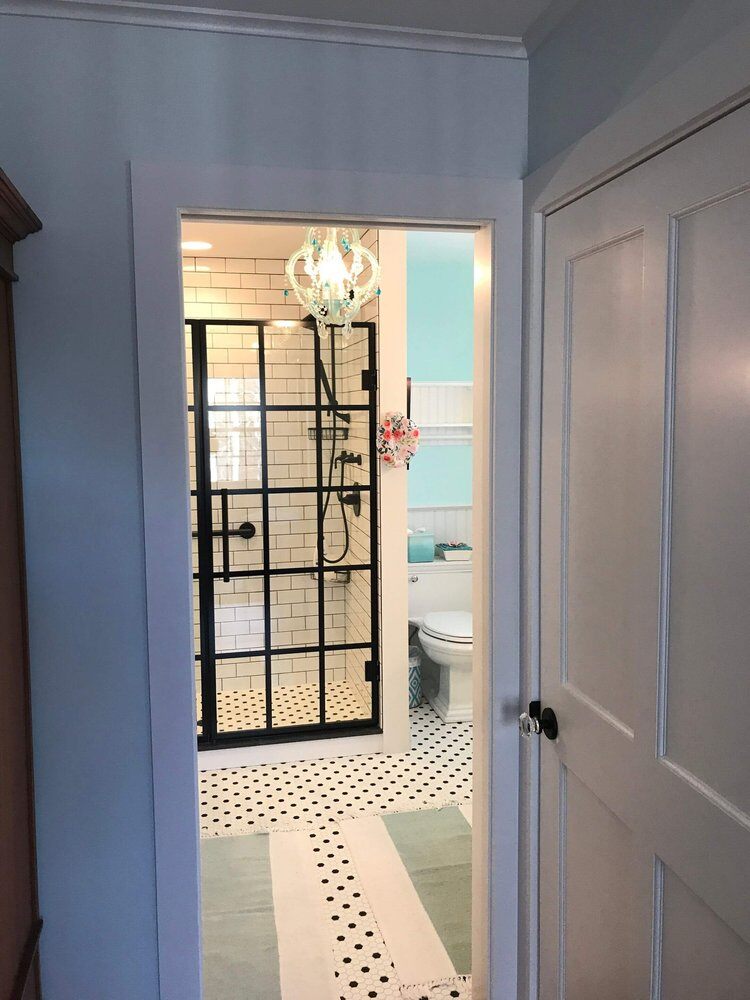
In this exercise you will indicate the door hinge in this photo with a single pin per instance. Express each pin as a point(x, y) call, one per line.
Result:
point(369, 380)
point(372, 670)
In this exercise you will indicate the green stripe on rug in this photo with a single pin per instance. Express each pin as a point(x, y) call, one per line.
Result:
point(435, 848)
point(240, 949)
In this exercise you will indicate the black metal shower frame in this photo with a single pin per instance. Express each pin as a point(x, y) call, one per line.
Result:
point(209, 737)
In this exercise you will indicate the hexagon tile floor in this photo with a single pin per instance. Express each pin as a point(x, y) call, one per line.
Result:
point(316, 795)
point(435, 772)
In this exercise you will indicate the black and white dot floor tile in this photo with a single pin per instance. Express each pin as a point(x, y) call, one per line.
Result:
point(292, 705)
point(435, 772)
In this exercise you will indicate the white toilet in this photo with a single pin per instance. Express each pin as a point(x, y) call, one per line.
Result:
point(439, 603)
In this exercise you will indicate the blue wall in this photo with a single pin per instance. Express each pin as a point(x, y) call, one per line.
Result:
point(440, 475)
point(440, 306)
point(87, 98)
point(603, 55)
point(440, 348)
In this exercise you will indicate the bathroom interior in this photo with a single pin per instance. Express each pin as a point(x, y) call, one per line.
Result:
point(329, 376)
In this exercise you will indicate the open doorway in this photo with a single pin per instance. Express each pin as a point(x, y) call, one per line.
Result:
point(319, 627)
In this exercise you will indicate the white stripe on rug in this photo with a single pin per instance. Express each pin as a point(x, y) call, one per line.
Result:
point(417, 952)
point(466, 811)
point(305, 954)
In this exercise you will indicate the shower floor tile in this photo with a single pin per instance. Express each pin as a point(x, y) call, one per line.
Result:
point(292, 705)
point(437, 771)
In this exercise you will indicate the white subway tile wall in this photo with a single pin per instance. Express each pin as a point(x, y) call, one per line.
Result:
point(253, 289)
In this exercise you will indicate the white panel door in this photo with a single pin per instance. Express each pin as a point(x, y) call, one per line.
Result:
point(645, 588)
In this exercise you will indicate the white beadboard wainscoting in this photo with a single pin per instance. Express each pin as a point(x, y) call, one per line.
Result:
point(443, 411)
point(448, 524)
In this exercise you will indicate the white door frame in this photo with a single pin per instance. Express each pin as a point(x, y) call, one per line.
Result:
point(160, 193)
point(712, 84)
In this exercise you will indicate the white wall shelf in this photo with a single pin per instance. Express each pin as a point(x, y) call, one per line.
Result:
point(443, 411)
point(445, 433)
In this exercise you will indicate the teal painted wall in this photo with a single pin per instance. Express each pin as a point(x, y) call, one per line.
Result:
point(440, 306)
point(440, 474)
point(440, 348)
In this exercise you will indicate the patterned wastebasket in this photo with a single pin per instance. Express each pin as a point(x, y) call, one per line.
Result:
point(415, 677)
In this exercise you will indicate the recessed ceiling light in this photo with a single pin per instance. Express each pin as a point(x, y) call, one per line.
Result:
point(196, 245)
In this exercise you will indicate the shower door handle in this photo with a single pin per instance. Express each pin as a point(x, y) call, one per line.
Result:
point(225, 533)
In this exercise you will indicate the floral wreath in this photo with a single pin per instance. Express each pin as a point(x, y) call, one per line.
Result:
point(397, 439)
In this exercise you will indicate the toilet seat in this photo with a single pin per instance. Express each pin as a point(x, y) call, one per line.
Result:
point(449, 626)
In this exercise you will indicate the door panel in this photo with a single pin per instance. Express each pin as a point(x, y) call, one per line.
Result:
point(600, 899)
point(645, 581)
point(604, 290)
point(709, 625)
point(719, 968)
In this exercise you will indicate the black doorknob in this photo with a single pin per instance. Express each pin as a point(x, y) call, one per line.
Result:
point(536, 721)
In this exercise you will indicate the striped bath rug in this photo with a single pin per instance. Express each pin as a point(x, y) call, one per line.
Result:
point(415, 869)
point(265, 930)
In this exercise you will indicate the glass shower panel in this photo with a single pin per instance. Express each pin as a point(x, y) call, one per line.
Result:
point(281, 467)
point(289, 362)
point(296, 690)
point(294, 611)
point(293, 528)
point(232, 365)
point(235, 449)
point(292, 457)
point(351, 697)
point(241, 695)
point(239, 630)
point(237, 518)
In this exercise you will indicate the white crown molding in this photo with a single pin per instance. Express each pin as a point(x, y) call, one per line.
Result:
point(192, 18)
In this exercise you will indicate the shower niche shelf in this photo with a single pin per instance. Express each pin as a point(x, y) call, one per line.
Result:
point(328, 433)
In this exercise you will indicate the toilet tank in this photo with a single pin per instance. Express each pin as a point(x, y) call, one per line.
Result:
point(438, 586)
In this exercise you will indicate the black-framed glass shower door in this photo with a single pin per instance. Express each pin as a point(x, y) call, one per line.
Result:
point(284, 510)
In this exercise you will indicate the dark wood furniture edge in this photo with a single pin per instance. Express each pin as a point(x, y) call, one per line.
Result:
point(16, 218)
point(17, 221)
point(27, 961)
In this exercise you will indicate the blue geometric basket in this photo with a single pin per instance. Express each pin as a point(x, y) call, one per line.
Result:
point(415, 677)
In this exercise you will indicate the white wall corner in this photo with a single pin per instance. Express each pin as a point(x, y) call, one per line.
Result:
point(394, 598)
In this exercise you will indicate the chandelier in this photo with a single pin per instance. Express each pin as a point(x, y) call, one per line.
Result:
point(334, 290)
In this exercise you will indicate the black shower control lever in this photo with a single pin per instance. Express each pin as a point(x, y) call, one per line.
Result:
point(354, 500)
point(348, 458)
